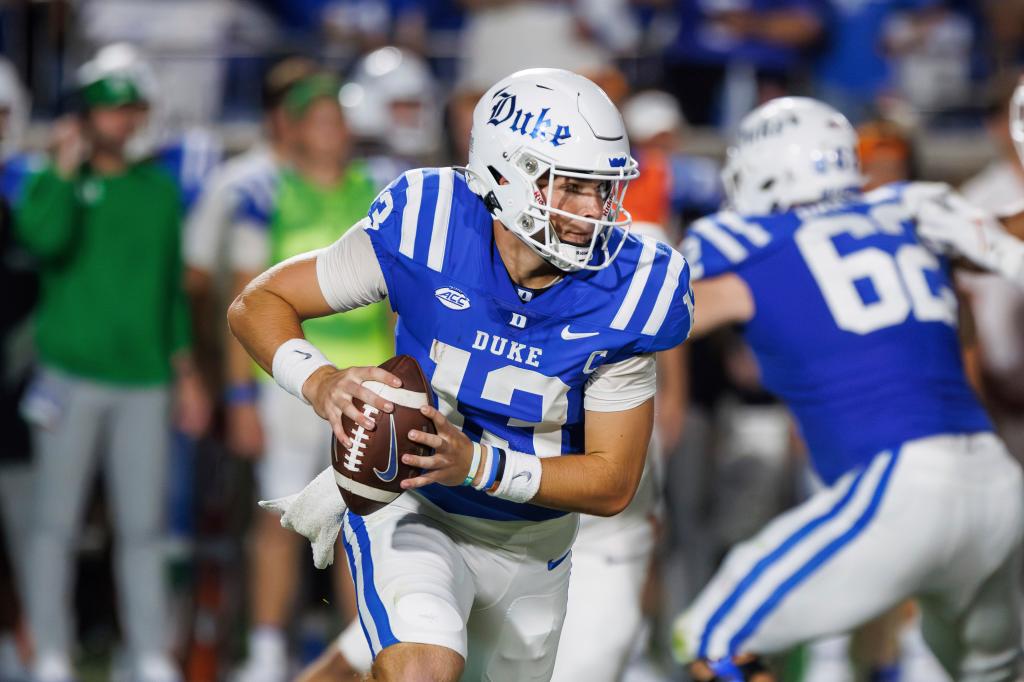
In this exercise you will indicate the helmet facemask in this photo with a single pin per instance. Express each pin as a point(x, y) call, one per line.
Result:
point(523, 175)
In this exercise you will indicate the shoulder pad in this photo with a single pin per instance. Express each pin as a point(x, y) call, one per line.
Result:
point(653, 295)
point(411, 217)
point(719, 243)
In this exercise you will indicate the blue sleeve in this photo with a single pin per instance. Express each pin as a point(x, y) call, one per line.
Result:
point(15, 172)
point(720, 243)
point(256, 194)
point(676, 300)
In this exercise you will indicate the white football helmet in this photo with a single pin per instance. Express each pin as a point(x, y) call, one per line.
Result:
point(14, 100)
point(1017, 119)
point(392, 99)
point(790, 151)
point(550, 122)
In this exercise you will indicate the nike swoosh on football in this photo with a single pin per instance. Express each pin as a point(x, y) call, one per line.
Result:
point(554, 563)
point(572, 336)
point(303, 353)
point(389, 474)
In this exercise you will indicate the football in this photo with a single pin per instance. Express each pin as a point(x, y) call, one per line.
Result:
point(369, 474)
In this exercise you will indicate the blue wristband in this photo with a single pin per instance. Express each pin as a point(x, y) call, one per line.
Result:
point(242, 393)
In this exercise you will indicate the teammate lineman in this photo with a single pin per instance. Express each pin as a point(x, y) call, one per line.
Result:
point(536, 317)
point(847, 303)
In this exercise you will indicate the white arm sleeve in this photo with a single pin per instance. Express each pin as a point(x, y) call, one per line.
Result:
point(621, 385)
point(349, 273)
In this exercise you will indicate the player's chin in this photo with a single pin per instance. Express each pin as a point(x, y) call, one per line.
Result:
point(578, 238)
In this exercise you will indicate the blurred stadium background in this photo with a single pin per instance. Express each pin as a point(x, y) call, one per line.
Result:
point(927, 81)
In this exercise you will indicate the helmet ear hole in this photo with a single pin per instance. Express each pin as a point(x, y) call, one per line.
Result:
point(498, 177)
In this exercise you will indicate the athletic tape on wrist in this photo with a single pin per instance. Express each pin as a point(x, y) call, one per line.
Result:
point(520, 479)
point(294, 361)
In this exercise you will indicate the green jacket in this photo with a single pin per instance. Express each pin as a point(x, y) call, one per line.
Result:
point(112, 306)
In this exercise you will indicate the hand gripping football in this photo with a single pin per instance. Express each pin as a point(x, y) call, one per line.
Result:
point(370, 473)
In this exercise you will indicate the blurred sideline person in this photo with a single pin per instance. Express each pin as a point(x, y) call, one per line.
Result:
point(112, 334)
point(189, 154)
point(19, 279)
point(391, 106)
point(886, 152)
point(208, 224)
point(897, 435)
point(305, 207)
point(676, 186)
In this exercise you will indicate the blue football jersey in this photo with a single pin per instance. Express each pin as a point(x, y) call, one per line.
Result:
point(855, 322)
point(509, 372)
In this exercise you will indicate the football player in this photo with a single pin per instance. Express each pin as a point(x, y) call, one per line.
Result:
point(846, 300)
point(536, 316)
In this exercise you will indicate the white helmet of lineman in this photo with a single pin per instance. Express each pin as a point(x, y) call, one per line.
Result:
point(790, 151)
point(391, 99)
point(550, 122)
point(1017, 119)
point(14, 102)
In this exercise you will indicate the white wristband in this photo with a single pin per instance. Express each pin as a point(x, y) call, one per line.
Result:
point(474, 465)
point(294, 361)
point(521, 479)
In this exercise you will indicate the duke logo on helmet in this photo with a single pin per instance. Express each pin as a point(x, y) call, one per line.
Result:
point(505, 108)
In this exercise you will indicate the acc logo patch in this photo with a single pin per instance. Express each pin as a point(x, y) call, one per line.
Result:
point(450, 297)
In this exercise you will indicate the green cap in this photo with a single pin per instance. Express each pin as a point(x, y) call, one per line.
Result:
point(301, 95)
point(113, 90)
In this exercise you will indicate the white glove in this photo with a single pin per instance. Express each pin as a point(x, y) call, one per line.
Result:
point(950, 225)
point(316, 512)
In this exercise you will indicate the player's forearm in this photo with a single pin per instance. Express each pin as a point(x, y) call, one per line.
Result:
point(261, 321)
point(588, 484)
point(601, 482)
point(238, 366)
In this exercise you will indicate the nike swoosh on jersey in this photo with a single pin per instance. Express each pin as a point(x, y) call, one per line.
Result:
point(572, 336)
point(554, 563)
point(389, 474)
